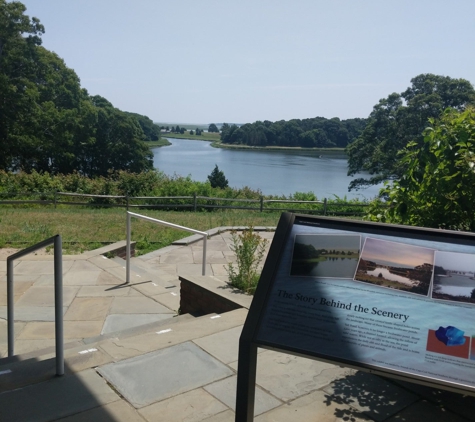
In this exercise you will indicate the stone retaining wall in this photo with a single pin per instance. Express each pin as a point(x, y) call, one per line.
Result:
point(203, 295)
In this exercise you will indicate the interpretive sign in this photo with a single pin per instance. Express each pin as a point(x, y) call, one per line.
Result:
point(394, 300)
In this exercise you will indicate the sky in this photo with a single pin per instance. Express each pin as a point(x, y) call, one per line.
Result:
point(398, 253)
point(455, 261)
point(214, 61)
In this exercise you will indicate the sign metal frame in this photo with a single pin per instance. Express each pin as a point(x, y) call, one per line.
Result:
point(249, 340)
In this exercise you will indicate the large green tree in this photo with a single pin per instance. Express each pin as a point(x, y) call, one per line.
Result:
point(48, 123)
point(19, 38)
point(437, 186)
point(399, 119)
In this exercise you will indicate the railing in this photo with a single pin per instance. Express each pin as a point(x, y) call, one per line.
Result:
point(163, 223)
point(191, 202)
point(58, 297)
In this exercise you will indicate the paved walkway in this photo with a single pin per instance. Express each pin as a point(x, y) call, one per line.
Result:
point(129, 357)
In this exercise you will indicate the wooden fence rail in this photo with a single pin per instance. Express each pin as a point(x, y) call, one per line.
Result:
point(193, 203)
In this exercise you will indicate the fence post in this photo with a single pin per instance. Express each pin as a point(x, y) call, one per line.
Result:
point(262, 203)
point(325, 206)
point(54, 200)
point(127, 202)
point(194, 202)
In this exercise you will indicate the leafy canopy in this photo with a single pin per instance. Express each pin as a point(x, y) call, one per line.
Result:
point(436, 189)
point(399, 119)
point(48, 123)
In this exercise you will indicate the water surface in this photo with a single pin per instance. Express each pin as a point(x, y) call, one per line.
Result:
point(271, 172)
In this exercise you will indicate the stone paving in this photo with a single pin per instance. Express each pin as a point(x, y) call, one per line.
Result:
point(129, 357)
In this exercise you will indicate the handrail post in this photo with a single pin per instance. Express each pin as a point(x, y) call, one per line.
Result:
point(203, 269)
point(127, 251)
point(58, 305)
point(163, 223)
point(58, 297)
point(11, 332)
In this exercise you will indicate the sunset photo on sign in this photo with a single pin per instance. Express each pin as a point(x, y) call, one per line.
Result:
point(396, 266)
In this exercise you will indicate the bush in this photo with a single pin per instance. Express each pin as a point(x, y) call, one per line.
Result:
point(249, 248)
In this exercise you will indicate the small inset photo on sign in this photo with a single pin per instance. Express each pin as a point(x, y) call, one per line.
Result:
point(396, 266)
point(325, 255)
point(448, 340)
point(454, 277)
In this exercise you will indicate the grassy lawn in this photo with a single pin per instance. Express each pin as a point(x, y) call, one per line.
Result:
point(87, 228)
point(205, 136)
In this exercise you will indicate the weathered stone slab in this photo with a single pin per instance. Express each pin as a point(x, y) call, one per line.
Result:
point(118, 322)
point(88, 309)
point(137, 305)
point(223, 345)
point(81, 278)
point(44, 296)
point(156, 376)
point(288, 377)
point(225, 391)
point(370, 394)
point(193, 406)
point(119, 411)
point(59, 397)
point(313, 407)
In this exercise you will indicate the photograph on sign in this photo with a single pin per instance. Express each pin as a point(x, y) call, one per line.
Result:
point(396, 266)
point(454, 277)
point(325, 255)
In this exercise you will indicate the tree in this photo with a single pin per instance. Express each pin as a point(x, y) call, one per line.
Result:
point(19, 38)
point(213, 128)
point(48, 123)
point(151, 130)
point(436, 189)
point(401, 118)
point(217, 178)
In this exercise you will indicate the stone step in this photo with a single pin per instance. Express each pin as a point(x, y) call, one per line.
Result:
point(144, 271)
point(134, 342)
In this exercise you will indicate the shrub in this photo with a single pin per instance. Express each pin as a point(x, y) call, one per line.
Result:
point(249, 248)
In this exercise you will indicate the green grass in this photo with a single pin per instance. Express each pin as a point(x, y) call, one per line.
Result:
point(160, 143)
point(84, 229)
point(205, 136)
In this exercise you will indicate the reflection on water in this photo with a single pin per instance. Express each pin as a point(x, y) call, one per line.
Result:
point(392, 277)
point(455, 285)
point(330, 268)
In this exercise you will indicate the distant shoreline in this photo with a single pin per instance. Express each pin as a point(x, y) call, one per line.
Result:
point(217, 144)
point(323, 151)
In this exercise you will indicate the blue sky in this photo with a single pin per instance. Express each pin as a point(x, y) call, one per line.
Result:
point(241, 61)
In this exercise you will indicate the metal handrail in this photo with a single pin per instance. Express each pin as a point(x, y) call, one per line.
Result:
point(163, 223)
point(58, 297)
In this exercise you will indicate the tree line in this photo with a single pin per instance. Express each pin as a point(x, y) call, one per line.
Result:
point(48, 123)
point(317, 132)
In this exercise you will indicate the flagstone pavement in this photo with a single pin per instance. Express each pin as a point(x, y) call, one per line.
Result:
point(130, 357)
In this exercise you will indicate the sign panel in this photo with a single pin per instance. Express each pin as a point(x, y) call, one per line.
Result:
point(399, 303)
